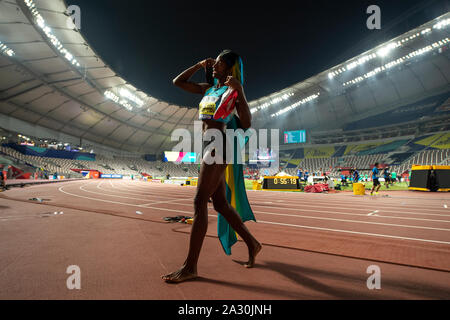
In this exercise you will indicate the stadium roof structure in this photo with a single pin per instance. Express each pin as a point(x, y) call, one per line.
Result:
point(51, 77)
point(403, 70)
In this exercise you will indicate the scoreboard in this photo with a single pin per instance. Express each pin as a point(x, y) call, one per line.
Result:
point(281, 183)
point(298, 136)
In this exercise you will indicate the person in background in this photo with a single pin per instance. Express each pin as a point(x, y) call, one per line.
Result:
point(299, 174)
point(355, 175)
point(3, 178)
point(376, 182)
point(393, 177)
point(387, 177)
point(344, 180)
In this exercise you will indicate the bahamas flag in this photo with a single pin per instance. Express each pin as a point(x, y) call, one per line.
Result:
point(235, 193)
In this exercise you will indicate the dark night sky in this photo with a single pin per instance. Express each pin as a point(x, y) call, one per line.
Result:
point(281, 42)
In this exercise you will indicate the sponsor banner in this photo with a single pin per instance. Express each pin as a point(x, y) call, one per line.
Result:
point(50, 153)
point(155, 180)
point(170, 181)
point(111, 176)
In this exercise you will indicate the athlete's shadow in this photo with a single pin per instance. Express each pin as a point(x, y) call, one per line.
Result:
point(304, 277)
point(256, 288)
point(307, 277)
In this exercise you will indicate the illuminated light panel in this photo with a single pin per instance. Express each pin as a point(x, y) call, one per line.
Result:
point(296, 105)
point(48, 32)
point(360, 61)
point(4, 49)
point(110, 95)
point(433, 46)
point(127, 94)
point(442, 23)
point(333, 74)
point(386, 49)
point(284, 97)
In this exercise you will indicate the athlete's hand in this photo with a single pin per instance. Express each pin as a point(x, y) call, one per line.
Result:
point(207, 63)
point(233, 83)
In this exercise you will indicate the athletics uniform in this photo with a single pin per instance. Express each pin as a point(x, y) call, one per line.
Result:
point(375, 173)
point(387, 175)
point(394, 177)
point(209, 110)
point(355, 176)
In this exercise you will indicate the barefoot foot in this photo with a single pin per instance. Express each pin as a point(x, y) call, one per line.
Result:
point(179, 276)
point(252, 253)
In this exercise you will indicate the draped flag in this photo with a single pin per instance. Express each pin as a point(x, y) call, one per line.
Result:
point(235, 193)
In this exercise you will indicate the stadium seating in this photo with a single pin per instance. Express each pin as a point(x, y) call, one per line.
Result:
point(443, 142)
point(339, 151)
point(403, 114)
point(399, 154)
point(425, 157)
point(384, 148)
point(430, 149)
point(398, 158)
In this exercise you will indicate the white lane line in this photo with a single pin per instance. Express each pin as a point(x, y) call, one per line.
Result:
point(275, 223)
point(145, 204)
point(335, 213)
point(109, 195)
point(356, 232)
point(359, 215)
point(357, 204)
point(112, 194)
point(349, 202)
point(129, 188)
point(348, 231)
point(349, 208)
point(117, 202)
point(295, 205)
point(169, 201)
point(298, 216)
point(355, 221)
point(109, 201)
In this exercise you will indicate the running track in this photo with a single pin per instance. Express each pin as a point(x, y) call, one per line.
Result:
point(315, 246)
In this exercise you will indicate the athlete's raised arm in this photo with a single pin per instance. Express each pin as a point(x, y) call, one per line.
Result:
point(182, 80)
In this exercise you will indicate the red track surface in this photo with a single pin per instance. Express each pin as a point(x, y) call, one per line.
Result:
point(315, 246)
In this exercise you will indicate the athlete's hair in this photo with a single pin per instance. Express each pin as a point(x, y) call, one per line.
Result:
point(376, 164)
point(234, 61)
